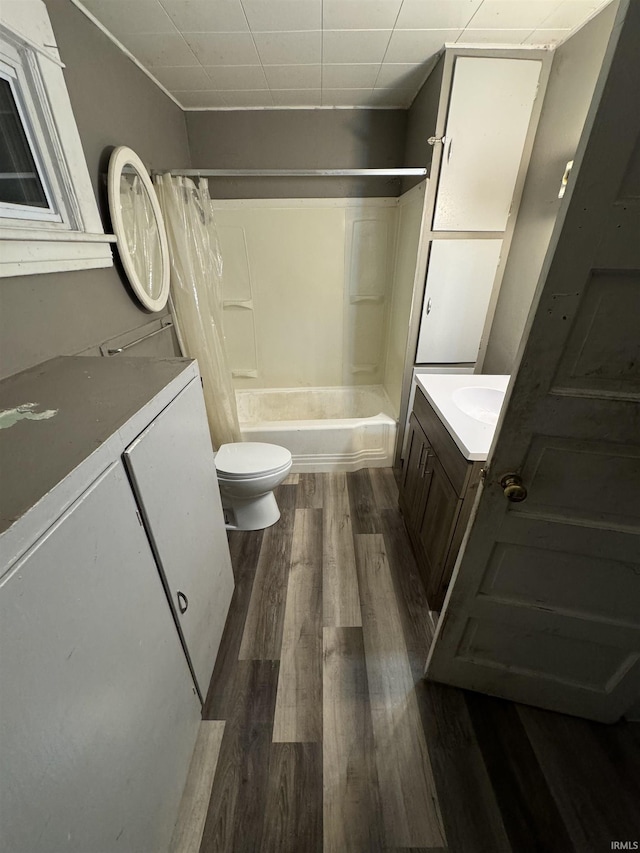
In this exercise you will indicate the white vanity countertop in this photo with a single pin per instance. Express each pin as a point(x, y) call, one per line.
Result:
point(472, 437)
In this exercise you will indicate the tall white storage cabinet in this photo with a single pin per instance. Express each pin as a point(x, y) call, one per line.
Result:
point(486, 117)
point(99, 710)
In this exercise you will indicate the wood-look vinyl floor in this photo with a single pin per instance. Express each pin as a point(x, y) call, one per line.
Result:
point(333, 742)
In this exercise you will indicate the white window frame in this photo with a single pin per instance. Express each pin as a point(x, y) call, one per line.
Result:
point(69, 234)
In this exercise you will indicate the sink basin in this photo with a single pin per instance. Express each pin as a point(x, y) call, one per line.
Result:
point(482, 404)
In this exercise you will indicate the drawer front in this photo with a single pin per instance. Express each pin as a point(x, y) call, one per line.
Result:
point(456, 467)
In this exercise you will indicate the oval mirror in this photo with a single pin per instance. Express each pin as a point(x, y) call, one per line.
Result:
point(139, 228)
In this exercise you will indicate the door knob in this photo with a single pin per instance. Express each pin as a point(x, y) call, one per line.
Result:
point(514, 491)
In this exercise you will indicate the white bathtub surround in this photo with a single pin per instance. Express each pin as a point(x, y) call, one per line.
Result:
point(468, 406)
point(315, 290)
point(325, 429)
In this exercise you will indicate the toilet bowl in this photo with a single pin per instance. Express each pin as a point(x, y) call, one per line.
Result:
point(248, 472)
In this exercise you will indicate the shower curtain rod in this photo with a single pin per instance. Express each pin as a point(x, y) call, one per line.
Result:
point(297, 173)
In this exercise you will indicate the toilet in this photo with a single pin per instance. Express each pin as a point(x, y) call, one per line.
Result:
point(248, 472)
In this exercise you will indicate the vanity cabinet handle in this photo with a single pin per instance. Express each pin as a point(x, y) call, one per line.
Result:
point(183, 602)
point(428, 309)
point(424, 466)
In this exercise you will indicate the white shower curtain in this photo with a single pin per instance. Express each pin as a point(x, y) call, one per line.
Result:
point(196, 287)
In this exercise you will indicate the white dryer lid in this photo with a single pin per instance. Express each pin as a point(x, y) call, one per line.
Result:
point(243, 458)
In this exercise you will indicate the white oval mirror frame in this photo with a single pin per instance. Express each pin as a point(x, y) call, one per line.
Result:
point(125, 158)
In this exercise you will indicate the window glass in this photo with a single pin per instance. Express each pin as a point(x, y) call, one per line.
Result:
point(20, 182)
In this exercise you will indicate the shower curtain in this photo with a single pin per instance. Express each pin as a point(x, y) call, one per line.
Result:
point(196, 288)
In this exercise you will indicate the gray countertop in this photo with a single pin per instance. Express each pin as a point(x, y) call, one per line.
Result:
point(85, 400)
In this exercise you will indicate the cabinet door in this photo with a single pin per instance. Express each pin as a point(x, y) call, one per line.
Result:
point(436, 527)
point(98, 715)
point(459, 284)
point(413, 487)
point(487, 122)
point(175, 481)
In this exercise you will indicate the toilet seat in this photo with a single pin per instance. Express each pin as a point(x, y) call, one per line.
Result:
point(243, 460)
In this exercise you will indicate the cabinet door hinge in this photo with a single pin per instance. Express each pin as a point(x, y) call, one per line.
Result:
point(139, 519)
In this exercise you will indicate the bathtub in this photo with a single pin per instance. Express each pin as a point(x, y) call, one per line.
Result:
point(326, 429)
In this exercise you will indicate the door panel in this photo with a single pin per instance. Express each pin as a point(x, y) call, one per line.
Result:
point(174, 477)
point(98, 725)
point(459, 284)
point(487, 122)
point(544, 606)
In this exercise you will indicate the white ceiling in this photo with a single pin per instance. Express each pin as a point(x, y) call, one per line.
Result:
point(308, 53)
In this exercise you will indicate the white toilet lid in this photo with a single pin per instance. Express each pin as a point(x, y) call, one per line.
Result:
point(247, 458)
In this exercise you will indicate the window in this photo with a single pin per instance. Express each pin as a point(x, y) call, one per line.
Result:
point(49, 220)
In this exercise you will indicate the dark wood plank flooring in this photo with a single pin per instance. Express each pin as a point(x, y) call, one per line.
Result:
point(334, 743)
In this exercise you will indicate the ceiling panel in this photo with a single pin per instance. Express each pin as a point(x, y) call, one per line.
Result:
point(354, 46)
point(159, 48)
point(216, 54)
point(436, 14)
point(236, 77)
point(362, 76)
point(289, 48)
point(203, 16)
point(223, 48)
point(510, 15)
point(357, 14)
point(294, 76)
point(183, 78)
point(283, 15)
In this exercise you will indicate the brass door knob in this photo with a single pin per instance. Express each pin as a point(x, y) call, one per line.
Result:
point(513, 489)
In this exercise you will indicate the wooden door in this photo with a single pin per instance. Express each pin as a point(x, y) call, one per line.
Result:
point(487, 122)
point(174, 477)
point(544, 606)
point(98, 714)
point(459, 284)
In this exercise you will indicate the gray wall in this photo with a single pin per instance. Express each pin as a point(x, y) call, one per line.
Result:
point(114, 104)
point(303, 139)
point(421, 123)
point(573, 76)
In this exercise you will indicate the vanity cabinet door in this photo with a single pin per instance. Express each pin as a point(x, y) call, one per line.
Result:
point(436, 527)
point(98, 714)
point(413, 491)
point(174, 478)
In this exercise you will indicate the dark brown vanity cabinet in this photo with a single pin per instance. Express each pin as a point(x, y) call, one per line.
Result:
point(437, 490)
